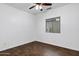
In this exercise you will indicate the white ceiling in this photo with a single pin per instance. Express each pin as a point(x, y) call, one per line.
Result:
point(25, 7)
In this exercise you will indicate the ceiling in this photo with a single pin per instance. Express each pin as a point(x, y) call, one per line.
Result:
point(25, 7)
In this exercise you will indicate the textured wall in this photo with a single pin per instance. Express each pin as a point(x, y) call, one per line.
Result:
point(16, 27)
point(69, 36)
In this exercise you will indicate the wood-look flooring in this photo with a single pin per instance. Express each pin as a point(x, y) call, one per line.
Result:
point(38, 49)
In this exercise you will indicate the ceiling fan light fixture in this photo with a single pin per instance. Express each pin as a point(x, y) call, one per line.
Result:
point(37, 7)
point(40, 7)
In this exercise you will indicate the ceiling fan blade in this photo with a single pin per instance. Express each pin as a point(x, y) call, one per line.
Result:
point(47, 4)
point(32, 7)
point(38, 3)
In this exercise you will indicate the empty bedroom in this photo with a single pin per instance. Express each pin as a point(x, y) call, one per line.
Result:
point(39, 29)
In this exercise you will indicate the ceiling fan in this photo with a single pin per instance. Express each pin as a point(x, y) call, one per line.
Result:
point(40, 5)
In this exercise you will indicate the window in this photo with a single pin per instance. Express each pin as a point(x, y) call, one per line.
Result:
point(53, 25)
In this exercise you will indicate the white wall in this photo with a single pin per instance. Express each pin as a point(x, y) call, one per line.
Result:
point(16, 27)
point(69, 36)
